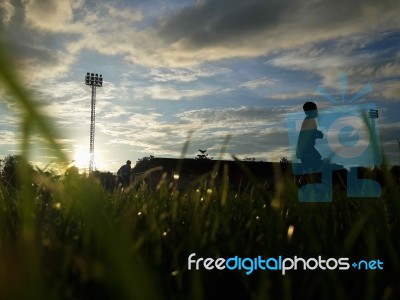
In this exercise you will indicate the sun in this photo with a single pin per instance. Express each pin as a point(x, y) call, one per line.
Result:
point(81, 158)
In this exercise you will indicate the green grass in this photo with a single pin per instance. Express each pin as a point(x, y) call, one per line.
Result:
point(70, 238)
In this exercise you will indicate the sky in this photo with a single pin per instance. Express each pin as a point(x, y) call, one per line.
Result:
point(221, 75)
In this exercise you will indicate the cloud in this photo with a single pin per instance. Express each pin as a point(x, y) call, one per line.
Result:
point(294, 95)
point(376, 67)
point(125, 14)
point(37, 56)
point(186, 74)
point(204, 31)
point(308, 60)
point(9, 138)
point(70, 101)
point(166, 92)
point(53, 16)
point(255, 84)
point(149, 121)
point(111, 30)
point(6, 11)
point(259, 129)
point(211, 30)
point(391, 90)
point(211, 23)
point(233, 117)
point(115, 112)
point(46, 36)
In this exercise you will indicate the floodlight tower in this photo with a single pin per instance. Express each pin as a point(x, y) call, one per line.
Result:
point(373, 114)
point(93, 80)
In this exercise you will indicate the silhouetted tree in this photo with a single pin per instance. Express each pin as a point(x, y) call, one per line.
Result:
point(284, 160)
point(143, 164)
point(145, 158)
point(107, 179)
point(395, 171)
point(249, 159)
point(9, 169)
point(203, 155)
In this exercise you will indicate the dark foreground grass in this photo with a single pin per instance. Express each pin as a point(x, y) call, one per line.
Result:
point(70, 239)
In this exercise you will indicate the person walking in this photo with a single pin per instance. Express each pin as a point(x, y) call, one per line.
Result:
point(305, 151)
point(124, 174)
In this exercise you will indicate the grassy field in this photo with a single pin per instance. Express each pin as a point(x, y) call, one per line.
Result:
point(69, 238)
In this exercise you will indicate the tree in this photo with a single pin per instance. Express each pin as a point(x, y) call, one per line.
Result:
point(143, 163)
point(249, 159)
point(284, 160)
point(107, 179)
point(9, 169)
point(145, 158)
point(203, 154)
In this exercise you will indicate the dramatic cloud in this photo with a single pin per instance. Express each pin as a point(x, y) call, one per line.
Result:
point(211, 30)
point(213, 23)
point(54, 16)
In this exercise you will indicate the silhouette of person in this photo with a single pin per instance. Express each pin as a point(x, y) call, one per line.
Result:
point(124, 173)
point(305, 151)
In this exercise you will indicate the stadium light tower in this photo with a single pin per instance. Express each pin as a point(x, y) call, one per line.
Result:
point(93, 80)
point(373, 115)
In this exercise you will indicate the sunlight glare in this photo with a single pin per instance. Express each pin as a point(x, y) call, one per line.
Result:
point(81, 158)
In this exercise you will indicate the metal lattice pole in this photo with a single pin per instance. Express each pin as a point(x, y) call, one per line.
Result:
point(92, 127)
point(373, 115)
point(93, 80)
